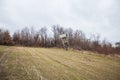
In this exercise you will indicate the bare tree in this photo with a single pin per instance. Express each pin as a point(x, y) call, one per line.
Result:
point(16, 38)
point(117, 48)
point(43, 36)
point(32, 34)
point(79, 38)
point(95, 42)
point(1, 36)
point(57, 30)
point(25, 36)
point(36, 39)
point(69, 32)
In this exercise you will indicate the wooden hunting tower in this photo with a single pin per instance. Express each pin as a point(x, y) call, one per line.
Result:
point(64, 39)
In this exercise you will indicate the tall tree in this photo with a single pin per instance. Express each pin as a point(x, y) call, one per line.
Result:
point(43, 36)
point(36, 39)
point(25, 36)
point(57, 30)
point(16, 38)
point(7, 38)
point(1, 37)
point(69, 32)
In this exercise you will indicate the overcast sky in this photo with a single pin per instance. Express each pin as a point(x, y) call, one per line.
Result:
point(90, 16)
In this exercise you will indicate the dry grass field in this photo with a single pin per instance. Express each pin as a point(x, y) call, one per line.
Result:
point(25, 63)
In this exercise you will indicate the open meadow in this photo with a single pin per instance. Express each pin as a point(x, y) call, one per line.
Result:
point(27, 63)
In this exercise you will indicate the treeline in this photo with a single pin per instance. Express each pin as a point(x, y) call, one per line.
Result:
point(41, 38)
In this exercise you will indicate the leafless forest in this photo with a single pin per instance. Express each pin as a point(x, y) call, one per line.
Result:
point(40, 38)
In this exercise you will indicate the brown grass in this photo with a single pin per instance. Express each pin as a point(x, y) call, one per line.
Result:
point(24, 63)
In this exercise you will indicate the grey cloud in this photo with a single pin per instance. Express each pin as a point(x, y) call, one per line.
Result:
point(91, 16)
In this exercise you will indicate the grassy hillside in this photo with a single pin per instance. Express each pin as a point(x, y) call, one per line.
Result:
point(23, 63)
